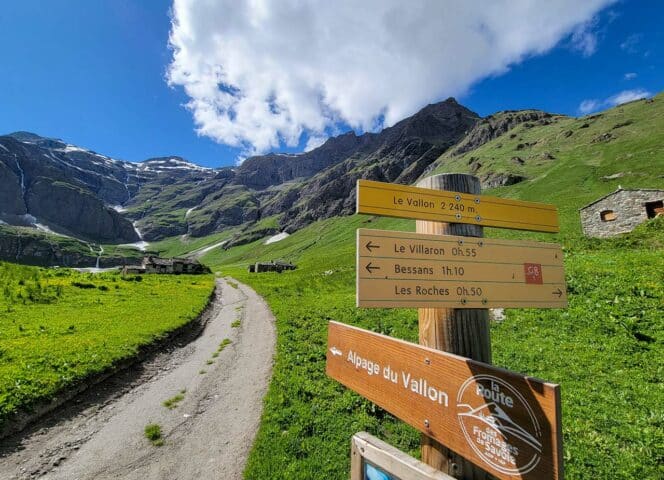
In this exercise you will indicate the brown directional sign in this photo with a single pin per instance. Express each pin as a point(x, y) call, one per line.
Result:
point(392, 200)
point(506, 423)
point(399, 269)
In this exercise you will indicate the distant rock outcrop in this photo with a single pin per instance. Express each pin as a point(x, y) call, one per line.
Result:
point(496, 125)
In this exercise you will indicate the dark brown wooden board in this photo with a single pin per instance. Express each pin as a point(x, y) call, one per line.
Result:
point(506, 423)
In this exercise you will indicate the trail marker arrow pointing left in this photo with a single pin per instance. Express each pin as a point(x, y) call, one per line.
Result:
point(371, 245)
point(370, 268)
point(336, 352)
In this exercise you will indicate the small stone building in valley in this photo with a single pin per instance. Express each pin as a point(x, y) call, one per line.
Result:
point(621, 211)
point(153, 264)
point(272, 266)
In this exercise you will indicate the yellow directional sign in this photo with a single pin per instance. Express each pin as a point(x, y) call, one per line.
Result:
point(392, 200)
point(399, 269)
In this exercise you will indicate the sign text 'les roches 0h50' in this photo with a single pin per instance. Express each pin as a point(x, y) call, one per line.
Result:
point(391, 200)
point(506, 423)
point(399, 269)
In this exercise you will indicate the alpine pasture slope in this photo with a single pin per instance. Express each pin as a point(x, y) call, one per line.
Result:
point(606, 350)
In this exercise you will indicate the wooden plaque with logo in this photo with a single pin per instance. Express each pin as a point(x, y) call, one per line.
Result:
point(506, 423)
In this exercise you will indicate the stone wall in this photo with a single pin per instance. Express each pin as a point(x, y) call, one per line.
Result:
point(629, 209)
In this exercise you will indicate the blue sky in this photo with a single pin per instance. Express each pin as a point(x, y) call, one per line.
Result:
point(94, 74)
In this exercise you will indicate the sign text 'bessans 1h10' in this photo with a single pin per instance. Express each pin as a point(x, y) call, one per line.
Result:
point(378, 198)
point(506, 423)
point(399, 269)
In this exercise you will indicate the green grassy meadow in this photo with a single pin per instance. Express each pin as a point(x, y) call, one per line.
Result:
point(58, 326)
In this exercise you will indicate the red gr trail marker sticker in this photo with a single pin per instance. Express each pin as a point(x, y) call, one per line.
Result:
point(533, 273)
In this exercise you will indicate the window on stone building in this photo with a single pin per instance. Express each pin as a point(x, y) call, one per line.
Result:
point(655, 208)
point(607, 215)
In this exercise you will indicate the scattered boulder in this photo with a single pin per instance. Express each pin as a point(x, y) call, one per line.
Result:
point(605, 137)
point(622, 124)
point(518, 160)
point(568, 133)
point(522, 146)
point(494, 179)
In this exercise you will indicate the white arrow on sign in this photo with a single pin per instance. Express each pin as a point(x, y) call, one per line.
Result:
point(336, 352)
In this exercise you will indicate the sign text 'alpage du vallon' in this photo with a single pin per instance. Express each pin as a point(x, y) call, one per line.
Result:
point(506, 423)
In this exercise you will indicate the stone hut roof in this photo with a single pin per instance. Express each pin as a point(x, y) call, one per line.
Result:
point(160, 261)
point(186, 261)
point(621, 190)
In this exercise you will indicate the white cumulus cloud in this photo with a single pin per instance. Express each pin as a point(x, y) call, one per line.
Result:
point(584, 38)
point(262, 73)
point(628, 96)
point(592, 105)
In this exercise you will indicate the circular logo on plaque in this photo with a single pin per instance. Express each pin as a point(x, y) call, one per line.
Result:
point(486, 407)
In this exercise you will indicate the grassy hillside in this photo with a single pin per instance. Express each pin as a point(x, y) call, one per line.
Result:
point(183, 245)
point(606, 350)
point(58, 327)
point(574, 161)
point(34, 247)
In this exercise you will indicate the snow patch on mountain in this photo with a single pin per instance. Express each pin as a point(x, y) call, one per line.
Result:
point(277, 238)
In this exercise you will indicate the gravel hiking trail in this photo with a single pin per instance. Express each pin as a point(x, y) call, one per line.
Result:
point(207, 435)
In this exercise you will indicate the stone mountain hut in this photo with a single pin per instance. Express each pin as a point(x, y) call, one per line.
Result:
point(621, 211)
point(153, 264)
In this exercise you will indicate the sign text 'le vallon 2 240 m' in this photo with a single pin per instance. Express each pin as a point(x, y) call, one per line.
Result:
point(402, 201)
point(505, 422)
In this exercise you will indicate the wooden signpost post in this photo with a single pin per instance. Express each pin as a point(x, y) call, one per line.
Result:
point(490, 420)
point(398, 269)
point(506, 422)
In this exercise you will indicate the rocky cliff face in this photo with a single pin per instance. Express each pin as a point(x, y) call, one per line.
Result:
point(496, 125)
point(42, 182)
point(90, 196)
point(398, 154)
